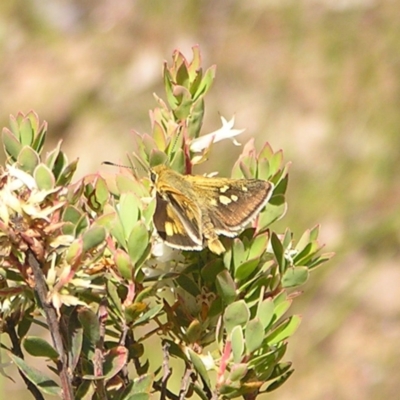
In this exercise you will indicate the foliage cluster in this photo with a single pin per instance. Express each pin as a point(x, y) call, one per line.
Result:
point(81, 260)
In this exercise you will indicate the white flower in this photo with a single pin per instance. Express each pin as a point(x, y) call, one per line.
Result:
point(226, 132)
point(21, 178)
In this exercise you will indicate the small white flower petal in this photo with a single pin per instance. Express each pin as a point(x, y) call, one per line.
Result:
point(225, 132)
point(21, 177)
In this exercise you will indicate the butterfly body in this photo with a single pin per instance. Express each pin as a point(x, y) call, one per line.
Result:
point(192, 211)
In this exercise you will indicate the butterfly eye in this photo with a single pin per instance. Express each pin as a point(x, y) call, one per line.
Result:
point(153, 176)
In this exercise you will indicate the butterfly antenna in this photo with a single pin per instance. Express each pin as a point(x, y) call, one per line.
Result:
point(116, 165)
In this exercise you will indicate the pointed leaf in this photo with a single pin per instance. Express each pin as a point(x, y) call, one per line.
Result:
point(93, 237)
point(138, 241)
point(237, 342)
point(38, 347)
point(11, 144)
point(285, 330)
point(38, 378)
point(226, 286)
point(295, 276)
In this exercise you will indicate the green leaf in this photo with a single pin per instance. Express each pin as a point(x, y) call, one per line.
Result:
point(40, 137)
point(123, 263)
point(236, 314)
point(238, 251)
point(279, 382)
point(195, 119)
point(263, 170)
point(259, 245)
point(93, 237)
point(182, 75)
point(320, 260)
point(64, 177)
point(275, 162)
point(72, 214)
point(226, 286)
point(38, 378)
point(284, 330)
point(254, 335)
point(265, 312)
point(138, 241)
point(188, 285)
point(159, 136)
point(199, 366)
point(142, 385)
point(303, 241)
point(113, 298)
point(117, 231)
point(280, 369)
point(11, 144)
point(182, 111)
point(44, 177)
point(101, 191)
point(148, 315)
point(74, 251)
point(25, 322)
point(314, 232)
point(178, 161)
point(210, 271)
point(28, 159)
point(238, 372)
point(157, 157)
point(278, 251)
point(206, 82)
point(26, 132)
point(39, 347)
point(295, 276)
point(129, 207)
point(237, 342)
point(90, 324)
point(244, 270)
point(274, 210)
point(74, 340)
point(281, 308)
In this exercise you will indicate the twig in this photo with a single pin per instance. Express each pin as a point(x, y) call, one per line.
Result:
point(99, 351)
point(166, 371)
point(54, 328)
point(169, 395)
point(125, 340)
point(185, 383)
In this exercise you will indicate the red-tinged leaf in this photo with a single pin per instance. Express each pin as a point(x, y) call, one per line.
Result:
point(114, 361)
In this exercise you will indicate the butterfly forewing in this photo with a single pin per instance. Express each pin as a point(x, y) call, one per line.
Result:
point(233, 203)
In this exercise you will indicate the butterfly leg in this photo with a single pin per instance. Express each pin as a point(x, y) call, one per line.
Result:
point(209, 234)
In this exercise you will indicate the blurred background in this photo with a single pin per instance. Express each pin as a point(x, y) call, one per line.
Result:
point(319, 79)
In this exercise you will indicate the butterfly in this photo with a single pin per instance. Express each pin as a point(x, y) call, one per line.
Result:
point(192, 211)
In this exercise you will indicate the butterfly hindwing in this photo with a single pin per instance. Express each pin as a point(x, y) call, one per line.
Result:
point(175, 227)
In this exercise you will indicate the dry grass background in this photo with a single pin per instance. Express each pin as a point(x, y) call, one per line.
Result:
point(318, 78)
